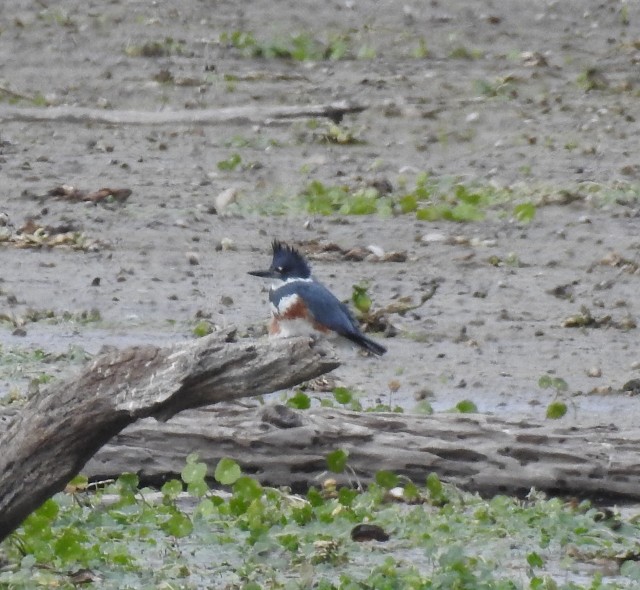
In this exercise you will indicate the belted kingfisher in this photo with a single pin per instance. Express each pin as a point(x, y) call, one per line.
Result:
point(301, 305)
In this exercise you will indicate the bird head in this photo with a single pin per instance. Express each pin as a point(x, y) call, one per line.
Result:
point(287, 263)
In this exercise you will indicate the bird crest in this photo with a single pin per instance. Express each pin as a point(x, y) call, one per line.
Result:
point(288, 262)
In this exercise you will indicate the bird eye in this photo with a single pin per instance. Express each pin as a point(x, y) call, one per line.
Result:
point(279, 269)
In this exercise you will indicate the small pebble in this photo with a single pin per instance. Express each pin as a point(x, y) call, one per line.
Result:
point(433, 237)
point(225, 198)
point(376, 250)
point(193, 258)
point(594, 372)
point(226, 244)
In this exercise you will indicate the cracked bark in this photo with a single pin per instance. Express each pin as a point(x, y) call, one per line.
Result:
point(281, 446)
point(50, 439)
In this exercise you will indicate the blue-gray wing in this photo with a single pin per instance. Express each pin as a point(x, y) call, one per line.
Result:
point(323, 306)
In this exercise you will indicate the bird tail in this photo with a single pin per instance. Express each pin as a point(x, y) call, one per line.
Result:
point(368, 344)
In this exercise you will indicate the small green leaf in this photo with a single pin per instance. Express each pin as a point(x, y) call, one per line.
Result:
point(48, 510)
point(299, 401)
point(315, 497)
point(206, 508)
point(202, 328)
point(408, 203)
point(427, 214)
point(423, 407)
point(79, 482)
point(247, 488)
point(337, 460)
point(559, 384)
point(129, 481)
point(68, 546)
point(179, 525)
point(386, 479)
point(462, 194)
point(198, 488)
point(524, 212)
point(466, 406)
point(556, 410)
point(342, 395)
point(411, 492)
point(227, 471)
point(230, 163)
point(361, 299)
point(171, 489)
point(534, 559)
point(434, 485)
point(545, 381)
point(193, 472)
point(346, 496)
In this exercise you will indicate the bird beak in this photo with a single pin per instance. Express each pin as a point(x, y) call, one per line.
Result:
point(267, 274)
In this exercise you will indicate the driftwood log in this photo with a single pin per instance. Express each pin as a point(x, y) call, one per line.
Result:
point(281, 446)
point(243, 115)
point(57, 431)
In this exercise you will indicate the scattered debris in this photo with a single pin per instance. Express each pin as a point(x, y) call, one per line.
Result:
point(33, 235)
point(585, 319)
point(632, 387)
point(618, 261)
point(378, 320)
point(70, 193)
point(332, 251)
point(533, 59)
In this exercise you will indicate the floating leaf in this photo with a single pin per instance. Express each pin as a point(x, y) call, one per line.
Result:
point(247, 488)
point(342, 395)
point(179, 525)
point(227, 471)
point(466, 407)
point(299, 401)
point(68, 545)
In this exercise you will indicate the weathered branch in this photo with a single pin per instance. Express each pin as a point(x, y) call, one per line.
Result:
point(281, 446)
point(53, 436)
point(245, 115)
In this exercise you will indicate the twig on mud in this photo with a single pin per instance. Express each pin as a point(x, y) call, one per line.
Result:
point(243, 115)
